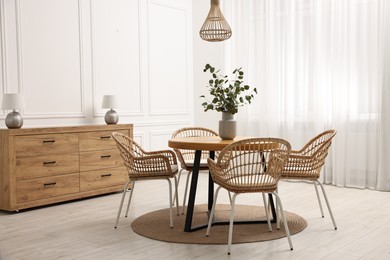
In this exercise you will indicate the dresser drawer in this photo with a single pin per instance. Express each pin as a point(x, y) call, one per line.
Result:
point(42, 188)
point(46, 165)
point(92, 180)
point(35, 145)
point(91, 141)
point(100, 159)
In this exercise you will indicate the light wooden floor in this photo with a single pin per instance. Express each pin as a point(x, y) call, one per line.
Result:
point(84, 229)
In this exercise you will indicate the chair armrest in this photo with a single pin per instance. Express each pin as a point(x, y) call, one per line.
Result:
point(153, 163)
point(167, 153)
point(299, 162)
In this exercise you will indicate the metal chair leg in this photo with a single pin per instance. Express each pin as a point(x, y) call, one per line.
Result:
point(284, 219)
point(318, 198)
point(176, 195)
point(178, 181)
point(267, 213)
point(186, 191)
point(277, 213)
point(121, 204)
point(211, 217)
point(231, 223)
point(327, 204)
point(170, 203)
point(130, 197)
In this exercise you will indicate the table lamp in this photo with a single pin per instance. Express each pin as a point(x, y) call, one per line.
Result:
point(110, 101)
point(13, 101)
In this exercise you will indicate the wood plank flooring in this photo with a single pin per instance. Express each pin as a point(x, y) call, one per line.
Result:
point(84, 229)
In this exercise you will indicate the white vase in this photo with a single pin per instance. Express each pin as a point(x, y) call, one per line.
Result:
point(227, 126)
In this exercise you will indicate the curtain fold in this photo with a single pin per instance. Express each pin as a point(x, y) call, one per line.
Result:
point(318, 64)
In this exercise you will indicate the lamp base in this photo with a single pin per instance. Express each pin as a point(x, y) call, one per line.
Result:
point(111, 117)
point(14, 120)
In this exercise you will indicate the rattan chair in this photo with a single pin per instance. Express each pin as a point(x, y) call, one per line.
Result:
point(142, 165)
point(186, 157)
point(306, 164)
point(250, 166)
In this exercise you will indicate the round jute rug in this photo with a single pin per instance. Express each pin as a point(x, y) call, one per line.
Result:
point(155, 225)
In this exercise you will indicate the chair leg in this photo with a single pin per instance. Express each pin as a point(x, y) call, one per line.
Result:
point(327, 204)
point(277, 213)
point(178, 181)
point(130, 197)
point(283, 219)
point(231, 223)
point(185, 191)
point(318, 198)
point(211, 217)
point(170, 203)
point(121, 204)
point(267, 213)
point(230, 197)
point(176, 195)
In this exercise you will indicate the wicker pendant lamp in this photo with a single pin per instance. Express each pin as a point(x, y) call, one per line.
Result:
point(215, 28)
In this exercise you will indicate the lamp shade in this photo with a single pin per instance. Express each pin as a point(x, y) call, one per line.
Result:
point(215, 28)
point(109, 101)
point(12, 101)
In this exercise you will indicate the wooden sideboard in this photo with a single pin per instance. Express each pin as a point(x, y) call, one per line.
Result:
point(40, 166)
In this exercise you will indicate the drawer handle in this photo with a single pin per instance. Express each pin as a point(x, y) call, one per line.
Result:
point(49, 163)
point(106, 175)
point(46, 185)
point(48, 141)
point(105, 156)
point(105, 137)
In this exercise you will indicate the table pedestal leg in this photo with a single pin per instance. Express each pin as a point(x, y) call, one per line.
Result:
point(191, 198)
point(211, 186)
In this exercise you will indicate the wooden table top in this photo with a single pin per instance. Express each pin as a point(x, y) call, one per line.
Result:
point(207, 143)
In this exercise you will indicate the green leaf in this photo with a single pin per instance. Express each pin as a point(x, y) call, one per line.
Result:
point(227, 94)
point(210, 106)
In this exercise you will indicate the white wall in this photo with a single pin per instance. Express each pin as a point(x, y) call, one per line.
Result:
point(64, 55)
point(204, 52)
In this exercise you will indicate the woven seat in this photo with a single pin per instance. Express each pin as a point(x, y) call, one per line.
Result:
point(186, 157)
point(142, 165)
point(306, 164)
point(250, 166)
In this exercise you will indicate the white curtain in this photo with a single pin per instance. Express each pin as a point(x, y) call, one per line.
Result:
point(318, 64)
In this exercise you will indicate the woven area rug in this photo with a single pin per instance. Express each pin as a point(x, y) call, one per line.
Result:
point(155, 225)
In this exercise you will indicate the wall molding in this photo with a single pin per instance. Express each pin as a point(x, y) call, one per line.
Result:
point(3, 53)
point(139, 137)
point(19, 40)
point(182, 8)
point(96, 106)
point(164, 123)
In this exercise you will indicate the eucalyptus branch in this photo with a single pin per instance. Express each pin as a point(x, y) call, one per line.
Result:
point(228, 94)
